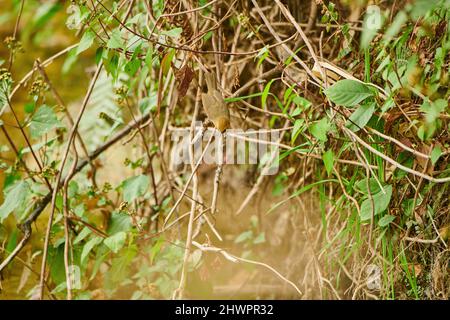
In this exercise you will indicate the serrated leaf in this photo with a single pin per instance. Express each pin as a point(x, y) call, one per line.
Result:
point(15, 197)
point(43, 121)
point(115, 40)
point(360, 117)
point(348, 93)
point(135, 187)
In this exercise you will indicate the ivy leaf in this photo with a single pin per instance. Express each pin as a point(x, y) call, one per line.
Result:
point(320, 129)
point(15, 197)
point(135, 187)
point(380, 201)
point(43, 121)
point(116, 241)
point(86, 41)
point(360, 117)
point(328, 161)
point(348, 93)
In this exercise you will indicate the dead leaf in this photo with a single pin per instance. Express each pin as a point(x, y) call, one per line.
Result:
point(184, 76)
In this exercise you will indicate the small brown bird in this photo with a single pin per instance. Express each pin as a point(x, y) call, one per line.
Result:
point(214, 104)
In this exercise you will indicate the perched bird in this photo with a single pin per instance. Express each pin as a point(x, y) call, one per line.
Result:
point(214, 104)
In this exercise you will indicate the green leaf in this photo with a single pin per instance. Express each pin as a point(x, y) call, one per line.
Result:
point(348, 93)
point(15, 197)
point(132, 66)
point(299, 192)
point(302, 102)
point(89, 246)
point(360, 117)
point(44, 14)
point(395, 26)
point(261, 238)
point(43, 121)
point(82, 235)
point(56, 260)
point(135, 187)
point(298, 124)
point(167, 61)
point(328, 161)
point(296, 112)
point(148, 104)
point(115, 40)
point(121, 264)
point(319, 129)
point(244, 236)
point(380, 201)
point(70, 60)
point(86, 41)
point(435, 154)
point(433, 109)
point(173, 33)
point(119, 222)
point(386, 220)
point(116, 241)
point(361, 186)
point(262, 55)
point(373, 21)
point(266, 93)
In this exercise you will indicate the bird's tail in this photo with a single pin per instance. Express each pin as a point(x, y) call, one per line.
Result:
point(210, 81)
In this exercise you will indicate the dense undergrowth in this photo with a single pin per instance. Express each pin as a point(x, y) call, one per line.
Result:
point(91, 92)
